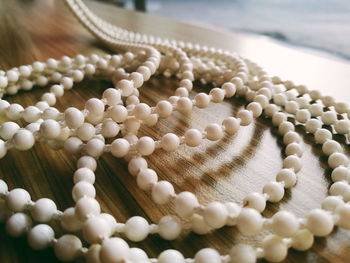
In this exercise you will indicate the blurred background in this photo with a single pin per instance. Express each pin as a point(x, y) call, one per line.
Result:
point(321, 24)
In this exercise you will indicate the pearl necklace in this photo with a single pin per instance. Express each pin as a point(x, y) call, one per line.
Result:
point(83, 132)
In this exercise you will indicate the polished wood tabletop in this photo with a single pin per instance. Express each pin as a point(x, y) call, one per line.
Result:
point(226, 171)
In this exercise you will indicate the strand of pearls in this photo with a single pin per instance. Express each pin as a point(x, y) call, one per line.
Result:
point(248, 80)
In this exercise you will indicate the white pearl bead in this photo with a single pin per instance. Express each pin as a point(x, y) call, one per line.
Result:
point(146, 178)
point(118, 113)
point(112, 96)
point(86, 131)
point(291, 137)
point(8, 129)
point(337, 159)
point(249, 222)
point(245, 116)
point(215, 214)
point(136, 164)
point(207, 255)
point(137, 79)
point(202, 100)
point(14, 111)
point(170, 142)
point(242, 253)
point(17, 199)
point(313, 125)
point(95, 106)
point(87, 206)
point(343, 213)
point(231, 125)
point(50, 129)
point(278, 118)
point(136, 228)
point(120, 147)
point(329, 117)
point(341, 173)
point(320, 222)
point(214, 132)
point(292, 161)
point(342, 126)
point(164, 109)
point(74, 118)
point(169, 228)
point(185, 204)
point(330, 203)
point(82, 189)
point(233, 212)
point(285, 224)
point(198, 225)
point(96, 229)
point(145, 145)
point(184, 105)
point(109, 129)
point(43, 210)
point(285, 127)
point(142, 111)
point(275, 249)
point(137, 255)
point(274, 190)
point(330, 147)
point(68, 247)
point(255, 108)
point(256, 201)
point(294, 148)
point(3, 149)
point(342, 189)
point(94, 147)
point(303, 240)
point(18, 224)
point(193, 137)
point(162, 192)
point(40, 236)
point(172, 256)
point(114, 250)
point(126, 87)
point(23, 140)
point(229, 88)
point(70, 221)
point(84, 174)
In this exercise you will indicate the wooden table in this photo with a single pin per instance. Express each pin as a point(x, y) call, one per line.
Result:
point(227, 171)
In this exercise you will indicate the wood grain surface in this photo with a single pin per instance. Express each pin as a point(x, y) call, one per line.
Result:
point(226, 171)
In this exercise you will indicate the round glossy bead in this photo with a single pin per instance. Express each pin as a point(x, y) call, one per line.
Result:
point(329, 117)
point(330, 203)
point(215, 214)
point(114, 250)
point(3, 149)
point(126, 87)
point(96, 229)
point(275, 249)
point(285, 127)
point(17, 199)
point(164, 109)
point(87, 206)
point(112, 96)
point(193, 137)
point(341, 173)
point(214, 132)
point(109, 129)
point(184, 105)
point(320, 222)
point(245, 116)
point(256, 201)
point(201, 100)
point(292, 161)
point(14, 111)
point(185, 204)
point(322, 135)
point(50, 129)
point(207, 255)
point(18, 224)
point(303, 240)
point(343, 213)
point(68, 247)
point(40, 236)
point(136, 164)
point(172, 256)
point(136, 228)
point(342, 126)
point(285, 224)
point(137, 255)
point(255, 108)
point(170, 142)
point(118, 113)
point(43, 210)
point(342, 189)
point(73, 117)
point(120, 147)
point(70, 221)
point(94, 147)
point(337, 159)
point(146, 178)
point(217, 95)
point(294, 148)
point(242, 253)
point(313, 125)
point(84, 174)
point(169, 228)
point(82, 189)
point(231, 125)
point(229, 88)
point(86, 131)
point(162, 191)
point(274, 190)
point(8, 129)
point(331, 146)
point(249, 222)
point(23, 140)
point(145, 145)
point(142, 111)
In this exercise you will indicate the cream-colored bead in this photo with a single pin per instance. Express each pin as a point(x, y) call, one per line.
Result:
point(242, 253)
point(68, 247)
point(120, 147)
point(320, 222)
point(245, 116)
point(303, 240)
point(114, 250)
point(70, 221)
point(43, 210)
point(23, 140)
point(249, 222)
point(136, 228)
point(275, 249)
point(17, 199)
point(185, 204)
point(193, 137)
point(146, 178)
point(274, 190)
point(214, 132)
point(95, 229)
point(285, 224)
point(207, 255)
point(201, 100)
point(18, 224)
point(162, 192)
point(215, 214)
point(169, 228)
point(145, 145)
point(256, 201)
point(343, 213)
point(172, 256)
point(87, 206)
point(40, 236)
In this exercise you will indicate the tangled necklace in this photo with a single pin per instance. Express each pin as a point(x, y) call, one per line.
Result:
point(119, 114)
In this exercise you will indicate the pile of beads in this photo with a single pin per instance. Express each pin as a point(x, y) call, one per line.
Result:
point(119, 114)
